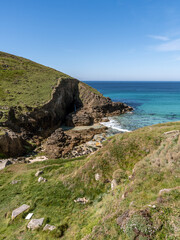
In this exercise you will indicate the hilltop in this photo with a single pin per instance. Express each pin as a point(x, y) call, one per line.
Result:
point(131, 186)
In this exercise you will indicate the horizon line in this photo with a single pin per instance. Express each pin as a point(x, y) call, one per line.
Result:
point(130, 80)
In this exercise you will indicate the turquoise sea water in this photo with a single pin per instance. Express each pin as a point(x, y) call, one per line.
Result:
point(153, 102)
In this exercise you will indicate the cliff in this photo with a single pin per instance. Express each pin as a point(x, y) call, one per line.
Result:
point(36, 100)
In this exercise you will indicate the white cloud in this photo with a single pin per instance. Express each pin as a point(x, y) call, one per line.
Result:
point(169, 46)
point(162, 38)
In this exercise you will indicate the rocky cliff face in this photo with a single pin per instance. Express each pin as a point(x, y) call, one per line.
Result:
point(60, 144)
point(73, 103)
point(12, 145)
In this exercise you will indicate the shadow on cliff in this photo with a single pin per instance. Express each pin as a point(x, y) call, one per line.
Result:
point(44, 120)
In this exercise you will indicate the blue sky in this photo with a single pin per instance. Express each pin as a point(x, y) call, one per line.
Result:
point(96, 39)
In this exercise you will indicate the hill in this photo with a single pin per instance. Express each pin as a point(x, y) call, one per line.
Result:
point(131, 186)
point(36, 100)
point(24, 82)
point(34, 97)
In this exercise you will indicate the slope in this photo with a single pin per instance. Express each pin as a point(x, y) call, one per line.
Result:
point(143, 204)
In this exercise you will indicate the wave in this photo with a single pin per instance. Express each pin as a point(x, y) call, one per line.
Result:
point(114, 125)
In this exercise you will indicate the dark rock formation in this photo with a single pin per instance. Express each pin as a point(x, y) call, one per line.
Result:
point(12, 145)
point(95, 107)
point(60, 143)
point(93, 114)
point(72, 102)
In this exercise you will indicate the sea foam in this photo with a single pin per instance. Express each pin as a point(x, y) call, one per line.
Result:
point(114, 125)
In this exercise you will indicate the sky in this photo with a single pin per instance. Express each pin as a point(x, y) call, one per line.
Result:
point(96, 39)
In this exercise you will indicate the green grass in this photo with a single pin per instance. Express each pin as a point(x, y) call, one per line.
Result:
point(146, 154)
point(26, 85)
point(23, 82)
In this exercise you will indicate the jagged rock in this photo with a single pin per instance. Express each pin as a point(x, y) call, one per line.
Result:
point(4, 163)
point(61, 144)
point(95, 108)
point(41, 179)
point(19, 210)
point(35, 223)
point(39, 172)
point(12, 145)
point(81, 200)
point(79, 118)
point(95, 113)
point(49, 227)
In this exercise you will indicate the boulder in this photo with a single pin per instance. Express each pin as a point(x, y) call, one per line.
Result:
point(61, 144)
point(12, 145)
point(81, 200)
point(80, 118)
point(35, 223)
point(19, 210)
point(4, 163)
point(39, 172)
point(49, 227)
point(41, 179)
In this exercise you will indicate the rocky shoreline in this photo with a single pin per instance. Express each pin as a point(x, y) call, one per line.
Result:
point(74, 105)
point(62, 143)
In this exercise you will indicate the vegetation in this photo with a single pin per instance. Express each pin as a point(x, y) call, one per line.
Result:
point(143, 162)
point(24, 83)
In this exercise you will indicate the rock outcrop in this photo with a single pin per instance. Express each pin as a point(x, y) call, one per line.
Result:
point(72, 102)
point(60, 143)
point(12, 145)
point(95, 108)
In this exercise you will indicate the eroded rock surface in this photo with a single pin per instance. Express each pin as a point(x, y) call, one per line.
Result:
point(12, 145)
point(61, 144)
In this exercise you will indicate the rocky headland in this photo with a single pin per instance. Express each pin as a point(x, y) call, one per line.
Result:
point(70, 103)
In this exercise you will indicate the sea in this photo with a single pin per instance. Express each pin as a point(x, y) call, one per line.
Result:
point(153, 102)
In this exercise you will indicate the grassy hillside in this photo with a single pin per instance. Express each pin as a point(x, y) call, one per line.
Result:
point(24, 82)
point(143, 162)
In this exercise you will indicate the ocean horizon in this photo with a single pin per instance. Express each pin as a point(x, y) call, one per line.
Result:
point(153, 102)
